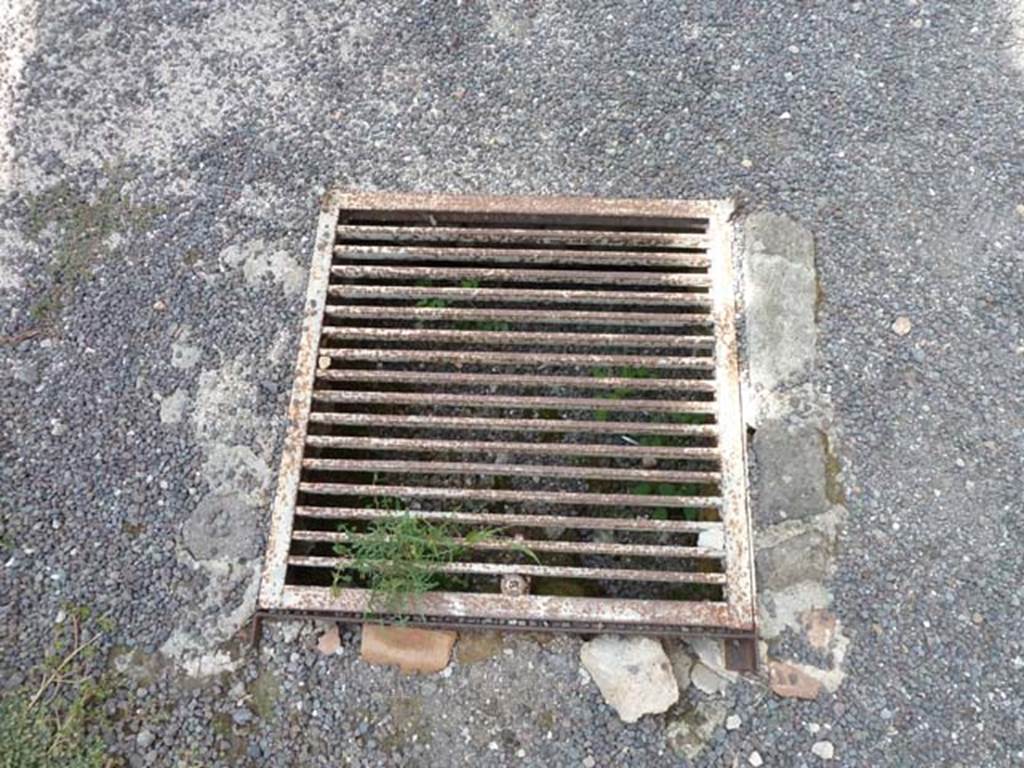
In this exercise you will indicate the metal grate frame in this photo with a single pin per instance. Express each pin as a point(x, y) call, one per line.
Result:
point(422, 309)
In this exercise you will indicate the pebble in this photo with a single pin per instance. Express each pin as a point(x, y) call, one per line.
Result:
point(901, 325)
point(241, 716)
point(145, 738)
point(755, 759)
point(732, 722)
point(824, 750)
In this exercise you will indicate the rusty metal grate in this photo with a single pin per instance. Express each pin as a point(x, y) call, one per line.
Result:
point(563, 368)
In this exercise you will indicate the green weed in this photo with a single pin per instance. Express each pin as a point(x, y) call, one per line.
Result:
point(55, 724)
point(668, 489)
point(401, 557)
point(85, 223)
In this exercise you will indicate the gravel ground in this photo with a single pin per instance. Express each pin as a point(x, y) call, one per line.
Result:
point(159, 191)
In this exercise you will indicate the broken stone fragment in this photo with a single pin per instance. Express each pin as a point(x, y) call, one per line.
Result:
point(689, 735)
point(682, 663)
point(633, 674)
point(412, 650)
point(824, 749)
point(791, 682)
point(709, 674)
point(330, 641)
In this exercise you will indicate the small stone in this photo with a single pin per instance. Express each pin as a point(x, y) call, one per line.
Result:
point(707, 680)
point(27, 374)
point(824, 750)
point(733, 722)
point(329, 643)
point(145, 738)
point(977, 618)
point(791, 682)
point(159, 305)
point(589, 762)
point(323, 363)
point(241, 716)
point(755, 759)
point(57, 428)
point(746, 162)
point(712, 539)
point(412, 650)
point(633, 673)
point(901, 325)
point(290, 631)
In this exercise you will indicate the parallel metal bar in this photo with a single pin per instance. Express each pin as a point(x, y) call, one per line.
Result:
point(509, 338)
point(532, 316)
point(533, 359)
point(519, 470)
point(549, 210)
point(508, 519)
point(503, 401)
point(509, 235)
point(486, 494)
point(536, 449)
point(457, 379)
point(555, 571)
point(272, 580)
point(384, 253)
point(544, 545)
point(495, 274)
point(511, 295)
point(545, 612)
point(521, 425)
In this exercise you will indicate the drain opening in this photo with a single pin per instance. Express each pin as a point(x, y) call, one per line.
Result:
point(552, 381)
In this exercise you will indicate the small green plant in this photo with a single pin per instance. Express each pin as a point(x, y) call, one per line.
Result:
point(402, 557)
point(668, 489)
point(468, 283)
point(55, 723)
point(432, 303)
point(84, 225)
point(625, 372)
point(689, 418)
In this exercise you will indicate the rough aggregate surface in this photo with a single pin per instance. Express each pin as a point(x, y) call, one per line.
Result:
point(159, 181)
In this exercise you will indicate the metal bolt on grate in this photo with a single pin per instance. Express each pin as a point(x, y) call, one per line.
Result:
point(562, 369)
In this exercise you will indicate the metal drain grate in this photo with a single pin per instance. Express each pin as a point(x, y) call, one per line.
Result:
point(562, 369)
